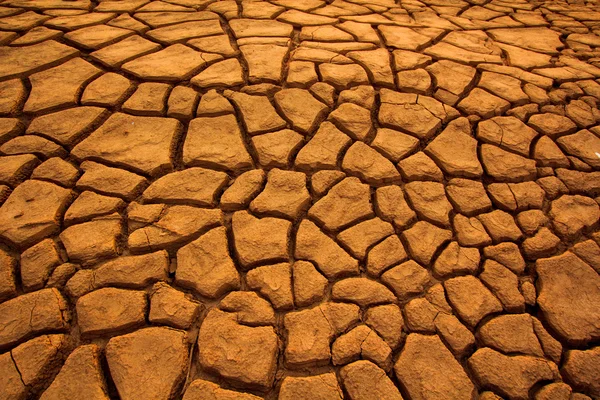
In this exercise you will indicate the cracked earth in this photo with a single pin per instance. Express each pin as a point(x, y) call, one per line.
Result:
point(299, 199)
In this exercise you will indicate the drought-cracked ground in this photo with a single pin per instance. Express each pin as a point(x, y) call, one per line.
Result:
point(299, 199)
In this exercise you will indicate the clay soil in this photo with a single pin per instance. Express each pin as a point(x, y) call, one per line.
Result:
point(299, 199)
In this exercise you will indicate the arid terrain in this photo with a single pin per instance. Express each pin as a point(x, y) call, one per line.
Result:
point(299, 200)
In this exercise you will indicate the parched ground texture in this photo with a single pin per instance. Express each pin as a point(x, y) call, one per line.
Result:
point(299, 199)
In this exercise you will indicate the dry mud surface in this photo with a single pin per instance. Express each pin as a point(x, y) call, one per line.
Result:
point(299, 199)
